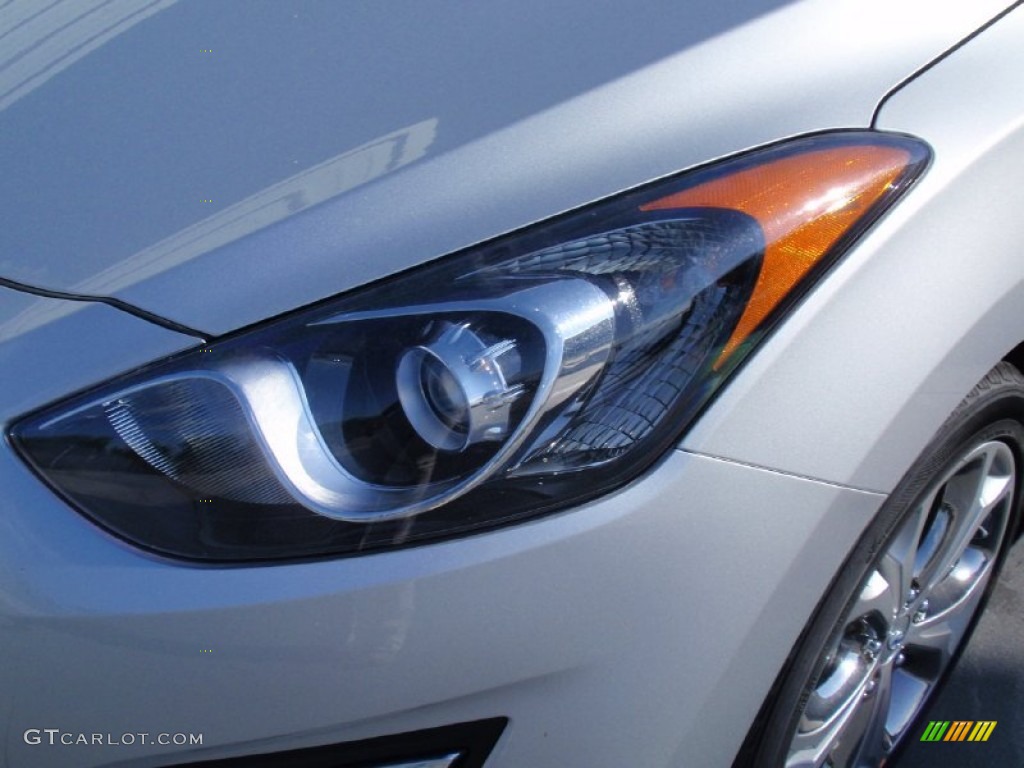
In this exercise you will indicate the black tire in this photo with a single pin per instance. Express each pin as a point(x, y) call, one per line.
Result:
point(858, 649)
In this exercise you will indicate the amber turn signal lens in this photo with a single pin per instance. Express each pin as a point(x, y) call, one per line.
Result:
point(805, 204)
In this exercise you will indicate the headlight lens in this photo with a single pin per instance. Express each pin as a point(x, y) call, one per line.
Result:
point(507, 381)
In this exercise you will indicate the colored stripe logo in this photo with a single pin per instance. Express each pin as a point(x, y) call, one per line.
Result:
point(958, 730)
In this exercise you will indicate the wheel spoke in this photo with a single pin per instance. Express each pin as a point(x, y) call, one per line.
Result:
point(942, 634)
point(897, 563)
point(995, 488)
point(881, 595)
point(908, 693)
point(810, 748)
point(973, 493)
point(877, 741)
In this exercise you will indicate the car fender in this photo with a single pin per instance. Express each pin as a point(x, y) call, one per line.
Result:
point(856, 381)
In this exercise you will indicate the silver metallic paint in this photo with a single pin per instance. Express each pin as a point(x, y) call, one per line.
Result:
point(563, 110)
point(50, 348)
point(582, 623)
point(598, 620)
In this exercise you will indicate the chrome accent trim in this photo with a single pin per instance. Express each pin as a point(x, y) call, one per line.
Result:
point(575, 318)
point(482, 382)
point(436, 762)
point(577, 322)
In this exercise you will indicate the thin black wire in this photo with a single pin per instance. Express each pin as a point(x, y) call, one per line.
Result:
point(115, 303)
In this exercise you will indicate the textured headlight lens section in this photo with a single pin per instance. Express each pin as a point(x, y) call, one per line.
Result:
point(510, 380)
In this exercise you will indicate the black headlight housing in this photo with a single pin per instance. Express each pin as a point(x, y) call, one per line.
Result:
point(512, 379)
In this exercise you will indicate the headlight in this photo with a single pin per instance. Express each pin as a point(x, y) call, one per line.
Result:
point(507, 381)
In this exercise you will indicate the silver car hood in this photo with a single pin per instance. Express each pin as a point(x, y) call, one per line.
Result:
point(219, 163)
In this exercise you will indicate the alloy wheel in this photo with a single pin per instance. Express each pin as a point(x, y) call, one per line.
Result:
point(898, 635)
